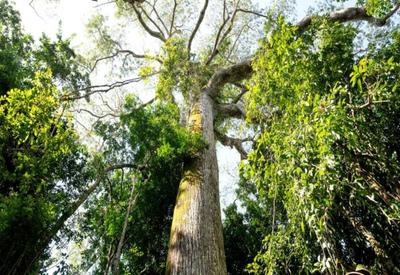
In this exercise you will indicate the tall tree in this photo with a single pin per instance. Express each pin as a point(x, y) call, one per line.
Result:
point(209, 78)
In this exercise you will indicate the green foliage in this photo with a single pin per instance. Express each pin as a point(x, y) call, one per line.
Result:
point(325, 145)
point(20, 58)
point(178, 73)
point(41, 167)
point(243, 234)
point(377, 8)
point(15, 47)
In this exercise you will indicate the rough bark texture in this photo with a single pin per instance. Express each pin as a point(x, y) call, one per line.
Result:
point(196, 242)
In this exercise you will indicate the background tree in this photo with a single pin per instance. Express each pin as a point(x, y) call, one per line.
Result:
point(325, 161)
point(42, 164)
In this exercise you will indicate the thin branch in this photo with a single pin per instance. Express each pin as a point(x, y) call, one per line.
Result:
point(252, 12)
point(102, 88)
point(219, 40)
point(235, 43)
point(370, 103)
point(243, 91)
point(95, 115)
point(391, 13)
point(117, 255)
point(173, 17)
point(152, 21)
point(221, 28)
point(120, 166)
point(196, 28)
point(34, 10)
point(103, 4)
point(146, 27)
point(127, 52)
point(158, 16)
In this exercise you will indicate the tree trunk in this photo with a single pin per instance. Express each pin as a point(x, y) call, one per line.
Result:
point(196, 242)
point(117, 255)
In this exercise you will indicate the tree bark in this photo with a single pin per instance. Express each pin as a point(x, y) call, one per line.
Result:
point(196, 242)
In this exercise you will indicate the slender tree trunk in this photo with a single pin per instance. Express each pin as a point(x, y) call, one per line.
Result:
point(117, 255)
point(196, 242)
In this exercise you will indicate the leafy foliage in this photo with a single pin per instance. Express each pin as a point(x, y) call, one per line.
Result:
point(42, 165)
point(324, 159)
point(42, 170)
point(20, 58)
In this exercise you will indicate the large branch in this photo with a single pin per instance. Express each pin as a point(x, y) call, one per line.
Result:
point(243, 70)
point(350, 14)
point(233, 143)
point(233, 74)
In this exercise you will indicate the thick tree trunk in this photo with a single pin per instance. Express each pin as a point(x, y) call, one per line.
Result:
point(196, 243)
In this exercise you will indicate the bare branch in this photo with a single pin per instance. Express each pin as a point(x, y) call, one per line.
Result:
point(235, 43)
point(152, 21)
point(252, 12)
point(157, 14)
point(233, 143)
point(196, 28)
point(218, 40)
point(173, 17)
point(95, 115)
point(102, 88)
point(128, 53)
point(214, 51)
point(34, 10)
point(145, 26)
point(105, 3)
